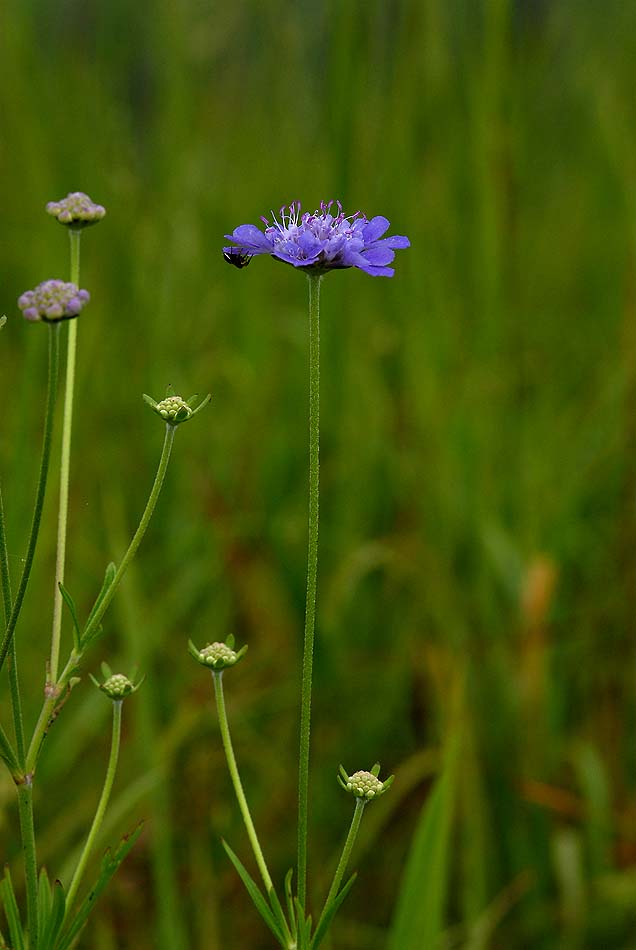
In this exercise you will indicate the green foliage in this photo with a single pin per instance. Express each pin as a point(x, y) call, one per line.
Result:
point(421, 912)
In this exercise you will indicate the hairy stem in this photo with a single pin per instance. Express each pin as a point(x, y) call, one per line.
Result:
point(14, 683)
point(53, 362)
point(312, 570)
point(27, 833)
point(56, 689)
point(101, 808)
point(137, 537)
point(344, 857)
point(65, 466)
point(236, 780)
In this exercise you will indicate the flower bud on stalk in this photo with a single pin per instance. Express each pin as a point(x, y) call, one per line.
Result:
point(53, 300)
point(76, 211)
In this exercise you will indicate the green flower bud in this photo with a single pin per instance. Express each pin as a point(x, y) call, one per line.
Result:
point(116, 686)
point(217, 656)
point(365, 785)
point(174, 409)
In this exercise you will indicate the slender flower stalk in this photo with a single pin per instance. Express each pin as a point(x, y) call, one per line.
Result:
point(101, 808)
point(138, 535)
point(65, 465)
point(318, 243)
point(53, 362)
point(56, 689)
point(312, 572)
point(27, 833)
point(344, 857)
point(14, 684)
point(217, 676)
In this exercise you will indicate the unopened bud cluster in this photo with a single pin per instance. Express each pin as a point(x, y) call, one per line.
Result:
point(117, 686)
point(364, 784)
point(217, 656)
point(53, 300)
point(174, 409)
point(77, 210)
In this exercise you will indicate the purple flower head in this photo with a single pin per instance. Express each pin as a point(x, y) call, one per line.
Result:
point(319, 242)
point(53, 300)
point(76, 210)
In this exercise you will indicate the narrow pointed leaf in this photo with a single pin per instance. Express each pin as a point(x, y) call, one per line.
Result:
point(11, 911)
point(257, 898)
point(48, 935)
point(70, 603)
point(420, 915)
point(110, 863)
point(109, 576)
point(279, 913)
point(7, 753)
point(44, 901)
point(330, 911)
point(291, 910)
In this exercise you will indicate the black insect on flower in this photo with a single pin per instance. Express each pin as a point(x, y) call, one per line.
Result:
point(237, 257)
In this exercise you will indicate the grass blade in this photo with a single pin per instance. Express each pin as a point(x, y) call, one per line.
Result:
point(419, 917)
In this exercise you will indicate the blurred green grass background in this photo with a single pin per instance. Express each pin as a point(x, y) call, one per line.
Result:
point(478, 450)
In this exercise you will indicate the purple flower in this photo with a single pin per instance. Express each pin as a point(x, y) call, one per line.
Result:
point(320, 242)
point(77, 210)
point(53, 300)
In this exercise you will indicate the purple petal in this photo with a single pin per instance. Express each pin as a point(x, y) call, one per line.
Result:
point(294, 261)
point(397, 241)
point(378, 271)
point(379, 255)
point(249, 236)
point(375, 229)
point(309, 244)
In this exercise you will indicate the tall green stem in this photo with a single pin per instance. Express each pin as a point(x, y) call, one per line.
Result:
point(55, 689)
point(14, 684)
point(101, 808)
point(312, 571)
point(53, 362)
point(65, 466)
point(236, 780)
point(344, 858)
point(27, 833)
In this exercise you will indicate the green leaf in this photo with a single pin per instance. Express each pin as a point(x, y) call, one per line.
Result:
point(291, 910)
point(70, 603)
point(109, 576)
point(44, 901)
point(110, 863)
point(8, 755)
point(49, 933)
point(3, 320)
point(325, 923)
point(257, 898)
point(420, 913)
point(11, 910)
point(279, 913)
point(304, 927)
